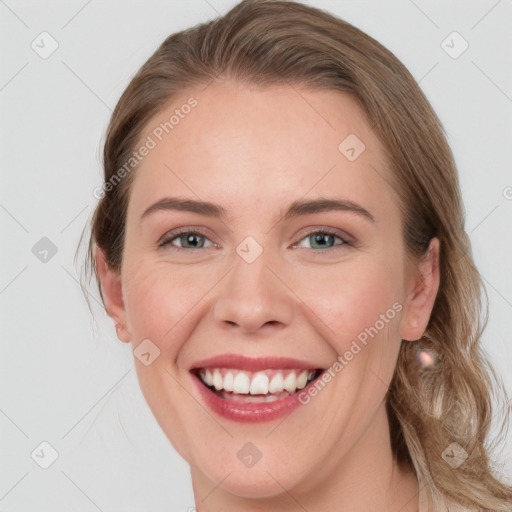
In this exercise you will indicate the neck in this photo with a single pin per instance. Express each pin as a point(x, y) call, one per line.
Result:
point(365, 478)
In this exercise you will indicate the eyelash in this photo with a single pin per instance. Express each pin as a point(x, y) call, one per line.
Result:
point(173, 235)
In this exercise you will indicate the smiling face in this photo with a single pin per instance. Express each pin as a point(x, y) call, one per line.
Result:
point(298, 255)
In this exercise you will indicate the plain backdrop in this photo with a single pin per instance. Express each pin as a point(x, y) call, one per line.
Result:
point(65, 379)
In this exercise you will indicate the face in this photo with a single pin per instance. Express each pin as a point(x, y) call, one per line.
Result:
point(273, 316)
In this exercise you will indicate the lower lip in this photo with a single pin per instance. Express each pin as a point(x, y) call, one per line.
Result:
point(247, 412)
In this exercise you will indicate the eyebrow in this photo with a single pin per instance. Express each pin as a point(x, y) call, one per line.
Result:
point(297, 208)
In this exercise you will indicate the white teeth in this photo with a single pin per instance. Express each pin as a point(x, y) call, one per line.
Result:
point(241, 384)
point(302, 379)
point(276, 384)
point(259, 384)
point(290, 382)
point(218, 381)
point(228, 381)
point(208, 378)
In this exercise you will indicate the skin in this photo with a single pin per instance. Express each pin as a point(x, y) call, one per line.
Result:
point(254, 151)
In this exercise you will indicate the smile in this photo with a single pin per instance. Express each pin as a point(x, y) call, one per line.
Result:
point(246, 389)
point(250, 387)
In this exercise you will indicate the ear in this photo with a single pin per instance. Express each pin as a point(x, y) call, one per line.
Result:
point(112, 295)
point(422, 287)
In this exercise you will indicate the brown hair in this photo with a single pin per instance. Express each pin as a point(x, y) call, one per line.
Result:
point(281, 42)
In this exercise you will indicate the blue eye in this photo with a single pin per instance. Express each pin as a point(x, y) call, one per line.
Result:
point(318, 240)
point(323, 240)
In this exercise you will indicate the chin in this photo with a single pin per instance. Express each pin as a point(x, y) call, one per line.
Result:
point(255, 484)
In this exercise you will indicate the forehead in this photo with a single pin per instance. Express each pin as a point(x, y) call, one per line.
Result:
point(240, 145)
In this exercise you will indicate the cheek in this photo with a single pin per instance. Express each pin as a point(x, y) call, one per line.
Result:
point(351, 299)
point(156, 300)
point(360, 305)
point(159, 305)
point(162, 301)
point(357, 309)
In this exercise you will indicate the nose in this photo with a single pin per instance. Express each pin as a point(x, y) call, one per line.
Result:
point(253, 297)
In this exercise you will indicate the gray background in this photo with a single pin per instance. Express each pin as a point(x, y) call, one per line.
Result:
point(66, 379)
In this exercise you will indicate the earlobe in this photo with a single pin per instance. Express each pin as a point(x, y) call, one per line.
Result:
point(421, 294)
point(112, 295)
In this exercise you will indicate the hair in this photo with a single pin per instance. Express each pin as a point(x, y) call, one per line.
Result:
point(266, 43)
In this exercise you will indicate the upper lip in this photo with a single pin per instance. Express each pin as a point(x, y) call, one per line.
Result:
point(254, 364)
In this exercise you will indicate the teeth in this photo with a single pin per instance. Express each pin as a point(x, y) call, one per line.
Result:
point(267, 382)
point(208, 378)
point(290, 382)
point(302, 379)
point(228, 381)
point(259, 384)
point(276, 384)
point(241, 384)
point(218, 381)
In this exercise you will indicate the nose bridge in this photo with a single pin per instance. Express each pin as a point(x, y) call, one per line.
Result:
point(251, 296)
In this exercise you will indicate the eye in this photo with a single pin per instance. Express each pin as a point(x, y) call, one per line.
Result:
point(195, 239)
point(186, 240)
point(323, 239)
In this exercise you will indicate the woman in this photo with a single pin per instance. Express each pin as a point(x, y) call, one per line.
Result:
point(280, 237)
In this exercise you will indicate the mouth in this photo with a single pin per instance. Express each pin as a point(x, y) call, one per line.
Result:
point(246, 389)
point(263, 386)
